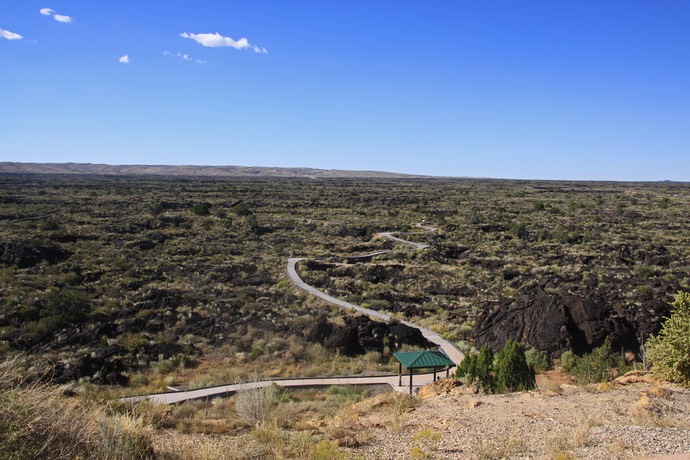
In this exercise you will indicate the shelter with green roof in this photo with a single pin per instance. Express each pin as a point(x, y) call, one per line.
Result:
point(422, 359)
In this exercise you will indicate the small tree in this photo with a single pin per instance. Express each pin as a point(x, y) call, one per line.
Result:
point(508, 371)
point(478, 368)
point(485, 369)
point(468, 368)
point(512, 371)
point(669, 351)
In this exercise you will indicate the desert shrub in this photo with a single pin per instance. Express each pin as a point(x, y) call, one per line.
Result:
point(417, 453)
point(507, 371)
point(467, 370)
point(520, 230)
point(64, 307)
point(537, 360)
point(327, 450)
point(201, 209)
point(49, 224)
point(597, 366)
point(512, 371)
point(669, 351)
point(485, 369)
point(241, 209)
point(255, 405)
point(427, 435)
point(478, 368)
point(252, 222)
point(341, 395)
point(124, 437)
point(155, 208)
point(568, 360)
point(37, 421)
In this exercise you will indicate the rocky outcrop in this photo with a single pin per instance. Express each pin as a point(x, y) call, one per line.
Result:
point(360, 335)
point(553, 323)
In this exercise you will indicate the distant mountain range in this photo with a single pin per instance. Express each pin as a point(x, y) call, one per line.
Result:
point(207, 171)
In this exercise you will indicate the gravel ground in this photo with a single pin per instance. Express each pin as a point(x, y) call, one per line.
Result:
point(636, 418)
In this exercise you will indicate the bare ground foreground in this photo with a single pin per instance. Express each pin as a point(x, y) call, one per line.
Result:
point(634, 417)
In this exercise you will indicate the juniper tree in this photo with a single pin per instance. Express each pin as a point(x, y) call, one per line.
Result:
point(669, 351)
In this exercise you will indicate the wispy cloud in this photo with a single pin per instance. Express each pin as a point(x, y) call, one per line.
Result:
point(63, 18)
point(184, 57)
point(6, 34)
point(217, 40)
point(58, 17)
point(124, 59)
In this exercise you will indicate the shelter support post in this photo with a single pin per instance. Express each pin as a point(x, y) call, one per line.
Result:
point(410, 381)
point(399, 374)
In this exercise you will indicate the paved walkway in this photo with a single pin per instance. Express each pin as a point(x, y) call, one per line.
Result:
point(392, 379)
point(448, 348)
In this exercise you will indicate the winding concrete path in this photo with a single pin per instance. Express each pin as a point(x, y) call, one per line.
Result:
point(448, 348)
point(177, 396)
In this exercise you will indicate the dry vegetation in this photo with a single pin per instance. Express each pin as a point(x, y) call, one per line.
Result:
point(122, 285)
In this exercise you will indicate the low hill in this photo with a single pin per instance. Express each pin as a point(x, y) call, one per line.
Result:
point(189, 170)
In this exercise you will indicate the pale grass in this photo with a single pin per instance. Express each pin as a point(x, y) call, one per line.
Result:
point(39, 422)
point(502, 446)
point(562, 446)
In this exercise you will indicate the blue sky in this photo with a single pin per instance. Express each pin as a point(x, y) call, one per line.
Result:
point(568, 89)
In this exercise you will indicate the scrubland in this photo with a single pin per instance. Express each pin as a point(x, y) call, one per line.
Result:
point(125, 285)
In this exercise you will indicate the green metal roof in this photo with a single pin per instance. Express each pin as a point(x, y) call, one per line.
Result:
point(423, 359)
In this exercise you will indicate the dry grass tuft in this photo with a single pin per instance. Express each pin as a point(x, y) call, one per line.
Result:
point(38, 421)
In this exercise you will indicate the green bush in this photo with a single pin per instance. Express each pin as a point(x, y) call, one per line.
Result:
point(342, 395)
point(537, 360)
point(467, 370)
point(597, 366)
point(241, 209)
point(485, 368)
point(201, 209)
point(568, 360)
point(327, 450)
point(507, 371)
point(669, 351)
point(65, 307)
point(512, 371)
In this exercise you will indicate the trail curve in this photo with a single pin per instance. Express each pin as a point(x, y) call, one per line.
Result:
point(178, 396)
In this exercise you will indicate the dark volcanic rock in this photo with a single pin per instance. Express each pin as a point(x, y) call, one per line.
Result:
point(346, 340)
point(361, 334)
point(553, 324)
point(402, 334)
point(25, 255)
point(535, 319)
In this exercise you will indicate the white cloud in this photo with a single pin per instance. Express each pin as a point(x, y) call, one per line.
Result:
point(46, 11)
point(124, 59)
point(217, 40)
point(184, 57)
point(9, 35)
point(63, 18)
